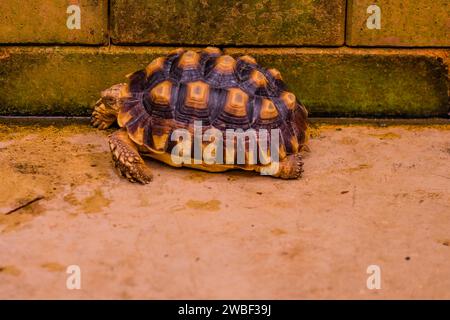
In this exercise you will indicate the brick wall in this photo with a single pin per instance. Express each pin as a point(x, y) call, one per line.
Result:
point(351, 58)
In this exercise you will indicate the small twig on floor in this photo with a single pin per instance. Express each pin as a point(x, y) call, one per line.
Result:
point(25, 205)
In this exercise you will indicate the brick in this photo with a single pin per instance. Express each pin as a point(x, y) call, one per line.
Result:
point(45, 21)
point(340, 81)
point(406, 23)
point(363, 82)
point(218, 22)
point(64, 80)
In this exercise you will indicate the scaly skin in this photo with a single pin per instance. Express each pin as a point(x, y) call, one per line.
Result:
point(126, 158)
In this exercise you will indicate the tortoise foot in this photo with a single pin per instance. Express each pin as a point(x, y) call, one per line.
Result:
point(291, 167)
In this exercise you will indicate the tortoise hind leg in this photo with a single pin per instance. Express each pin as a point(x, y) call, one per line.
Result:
point(126, 158)
point(107, 107)
point(290, 167)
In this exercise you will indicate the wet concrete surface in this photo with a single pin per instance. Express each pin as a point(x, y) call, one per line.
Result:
point(369, 196)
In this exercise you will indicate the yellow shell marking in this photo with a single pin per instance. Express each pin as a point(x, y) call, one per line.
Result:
point(212, 50)
point(137, 136)
point(276, 74)
point(288, 99)
point(250, 157)
point(189, 59)
point(236, 104)
point(176, 51)
point(258, 78)
point(225, 64)
point(160, 141)
point(294, 144)
point(248, 59)
point(155, 65)
point(197, 94)
point(281, 152)
point(124, 92)
point(123, 118)
point(160, 94)
point(268, 110)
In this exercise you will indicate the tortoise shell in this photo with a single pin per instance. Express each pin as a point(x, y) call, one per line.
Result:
point(220, 91)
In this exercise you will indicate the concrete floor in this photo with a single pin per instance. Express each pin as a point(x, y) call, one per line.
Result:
point(369, 196)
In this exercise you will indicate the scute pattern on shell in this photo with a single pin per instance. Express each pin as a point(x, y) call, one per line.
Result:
point(221, 91)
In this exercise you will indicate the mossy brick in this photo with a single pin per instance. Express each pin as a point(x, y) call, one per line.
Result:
point(363, 82)
point(64, 81)
point(333, 81)
point(45, 22)
point(406, 23)
point(218, 22)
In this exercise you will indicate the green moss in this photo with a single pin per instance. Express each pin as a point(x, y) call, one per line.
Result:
point(29, 21)
point(362, 82)
point(408, 23)
point(304, 22)
point(349, 82)
point(63, 81)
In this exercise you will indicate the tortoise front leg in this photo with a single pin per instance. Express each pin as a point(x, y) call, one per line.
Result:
point(126, 158)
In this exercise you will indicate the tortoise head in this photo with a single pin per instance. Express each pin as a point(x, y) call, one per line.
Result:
point(108, 106)
point(111, 96)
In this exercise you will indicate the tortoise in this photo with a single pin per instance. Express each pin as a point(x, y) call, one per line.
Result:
point(186, 86)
